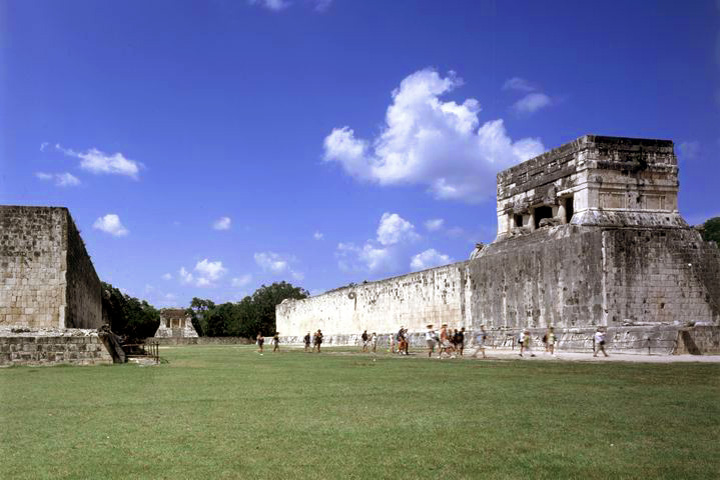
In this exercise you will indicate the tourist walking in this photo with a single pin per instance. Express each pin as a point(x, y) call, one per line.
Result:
point(260, 341)
point(600, 342)
point(365, 339)
point(276, 342)
point(460, 341)
point(526, 344)
point(480, 340)
point(307, 341)
point(550, 341)
point(431, 339)
point(373, 341)
point(392, 343)
point(318, 339)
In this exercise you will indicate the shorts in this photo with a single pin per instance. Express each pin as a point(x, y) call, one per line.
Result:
point(445, 343)
point(430, 343)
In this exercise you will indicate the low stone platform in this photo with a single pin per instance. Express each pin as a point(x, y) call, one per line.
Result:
point(52, 347)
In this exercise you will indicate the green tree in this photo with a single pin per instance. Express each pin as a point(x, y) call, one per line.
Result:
point(128, 315)
point(199, 310)
point(266, 298)
point(711, 230)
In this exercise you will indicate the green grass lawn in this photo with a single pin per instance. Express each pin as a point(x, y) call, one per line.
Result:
point(226, 412)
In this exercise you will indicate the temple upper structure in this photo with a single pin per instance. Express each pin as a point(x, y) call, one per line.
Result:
point(594, 180)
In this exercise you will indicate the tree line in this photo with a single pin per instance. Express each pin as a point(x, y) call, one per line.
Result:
point(133, 318)
point(252, 315)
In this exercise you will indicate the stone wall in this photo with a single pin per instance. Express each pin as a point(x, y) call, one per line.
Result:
point(32, 266)
point(84, 300)
point(47, 279)
point(588, 235)
point(434, 296)
point(53, 350)
point(202, 340)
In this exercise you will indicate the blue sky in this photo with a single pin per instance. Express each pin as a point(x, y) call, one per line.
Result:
point(206, 148)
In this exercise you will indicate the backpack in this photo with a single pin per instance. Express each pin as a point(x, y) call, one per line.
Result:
point(545, 338)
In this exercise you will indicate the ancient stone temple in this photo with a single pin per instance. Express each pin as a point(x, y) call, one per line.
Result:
point(50, 295)
point(589, 234)
point(175, 322)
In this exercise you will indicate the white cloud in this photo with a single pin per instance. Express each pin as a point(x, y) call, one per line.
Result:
point(689, 150)
point(210, 271)
point(274, 5)
point(185, 276)
point(111, 224)
point(277, 264)
point(394, 229)
point(222, 223)
point(531, 103)
point(99, 162)
point(434, 224)
point(367, 258)
point(241, 281)
point(318, 236)
point(270, 261)
point(430, 142)
point(428, 259)
point(43, 146)
point(61, 179)
point(519, 84)
point(167, 276)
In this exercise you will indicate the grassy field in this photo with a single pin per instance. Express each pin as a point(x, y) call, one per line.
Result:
point(226, 412)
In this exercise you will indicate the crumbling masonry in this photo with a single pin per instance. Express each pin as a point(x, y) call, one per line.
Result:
point(589, 234)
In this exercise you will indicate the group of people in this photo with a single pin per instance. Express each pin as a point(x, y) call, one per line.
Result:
point(369, 341)
point(260, 341)
point(447, 341)
point(316, 338)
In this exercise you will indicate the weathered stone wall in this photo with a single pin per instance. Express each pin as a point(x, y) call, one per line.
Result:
point(550, 277)
point(434, 296)
point(52, 350)
point(47, 279)
point(84, 300)
point(660, 276)
point(32, 266)
point(588, 235)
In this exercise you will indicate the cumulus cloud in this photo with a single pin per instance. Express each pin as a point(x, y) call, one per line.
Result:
point(111, 224)
point(427, 141)
point(428, 259)
point(531, 103)
point(383, 254)
point(239, 282)
point(206, 273)
point(434, 224)
point(98, 162)
point(393, 229)
point(167, 276)
point(519, 84)
point(689, 150)
point(61, 179)
point(210, 270)
point(369, 257)
point(43, 146)
point(318, 236)
point(277, 264)
point(185, 276)
point(222, 223)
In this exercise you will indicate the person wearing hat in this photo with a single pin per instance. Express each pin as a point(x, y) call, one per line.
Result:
point(430, 340)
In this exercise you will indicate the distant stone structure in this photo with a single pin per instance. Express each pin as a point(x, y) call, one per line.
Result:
point(589, 235)
point(50, 295)
point(175, 323)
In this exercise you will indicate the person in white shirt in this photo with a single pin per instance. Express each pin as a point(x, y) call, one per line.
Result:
point(600, 342)
point(431, 340)
point(480, 341)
